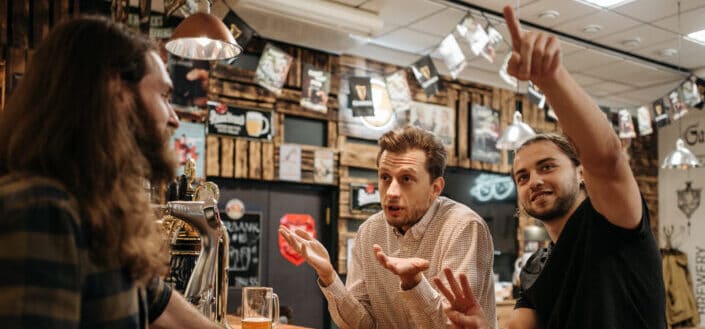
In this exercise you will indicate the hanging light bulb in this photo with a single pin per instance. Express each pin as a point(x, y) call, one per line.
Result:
point(202, 36)
point(680, 158)
point(514, 135)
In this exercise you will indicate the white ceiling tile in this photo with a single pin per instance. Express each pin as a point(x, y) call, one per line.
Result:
point(586, 59)
point(351, 3)
point(652, 10)
point(650, 94)
point(648, 35)
point(441, 23)
point(692, 55)
point(568, 10)
point(384, 54)
point(403, 12)
point(610, 22)
point(631, 73)
point(585, 80)
point(407, 40)
point(607, 88)
point(690, 21)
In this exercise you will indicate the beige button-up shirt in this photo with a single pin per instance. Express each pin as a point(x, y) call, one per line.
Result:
point(449, 235)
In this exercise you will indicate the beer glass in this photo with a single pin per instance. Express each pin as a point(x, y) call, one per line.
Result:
point(260, 308)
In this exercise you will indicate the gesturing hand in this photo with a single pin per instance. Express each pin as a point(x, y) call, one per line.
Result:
point(408, 269)
point(312, 251)
point(536, 56)
point(463, 310)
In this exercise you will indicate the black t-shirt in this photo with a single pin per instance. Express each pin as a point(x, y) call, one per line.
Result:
point(597, 275)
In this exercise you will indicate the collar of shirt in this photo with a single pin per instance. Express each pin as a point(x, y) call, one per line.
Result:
point(417, 231)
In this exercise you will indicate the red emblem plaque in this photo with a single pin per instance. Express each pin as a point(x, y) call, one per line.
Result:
point(295, 221)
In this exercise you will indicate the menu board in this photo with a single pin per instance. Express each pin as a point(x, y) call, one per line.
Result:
point(244, 249)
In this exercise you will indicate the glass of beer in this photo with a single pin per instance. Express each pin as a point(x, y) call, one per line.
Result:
point(260, 308)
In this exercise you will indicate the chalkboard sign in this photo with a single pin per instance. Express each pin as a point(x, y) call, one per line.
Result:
point(244, 249)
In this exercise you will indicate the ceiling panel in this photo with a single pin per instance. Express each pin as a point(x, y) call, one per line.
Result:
point(585, 80)
point(650, 94)
point(632, 73)
point(651, 10)
point(351, 3)
point(692, 54)
point(690, 21)
point(568, 10)
point(384, 54)
point(391, 10)
point(586, 59)
point(441, 23)
point(408, 40)
point(648, 35)
point(607, 88)
point(610, 22)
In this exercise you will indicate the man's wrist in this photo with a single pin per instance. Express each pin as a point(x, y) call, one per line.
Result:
point(411, 283)
point(327, 278)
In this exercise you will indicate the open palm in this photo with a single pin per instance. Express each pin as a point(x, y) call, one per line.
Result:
point(313, 252)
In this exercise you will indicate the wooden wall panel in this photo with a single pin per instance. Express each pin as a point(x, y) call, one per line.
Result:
point(40, 23)
point(241, 149)
point(212, 156)
point(255, 160)
point(268, 165)
point(227, 157)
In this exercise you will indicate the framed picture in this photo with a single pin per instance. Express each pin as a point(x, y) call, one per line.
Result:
point(485, 132)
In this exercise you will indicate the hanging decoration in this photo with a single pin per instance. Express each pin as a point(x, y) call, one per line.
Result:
point(427, 75)
point(689, 200)
point(452, 55)
point(273, 68)
point(361, 97)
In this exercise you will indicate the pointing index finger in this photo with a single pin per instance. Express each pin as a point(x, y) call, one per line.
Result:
point(514, 28)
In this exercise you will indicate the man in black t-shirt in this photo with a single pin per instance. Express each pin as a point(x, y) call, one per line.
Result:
point(603, 269)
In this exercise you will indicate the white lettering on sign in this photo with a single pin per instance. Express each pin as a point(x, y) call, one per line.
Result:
point(230, 118)
point(700, 279)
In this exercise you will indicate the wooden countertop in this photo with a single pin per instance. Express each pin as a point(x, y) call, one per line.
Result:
point(235, 323)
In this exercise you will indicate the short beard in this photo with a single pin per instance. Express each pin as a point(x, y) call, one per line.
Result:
point(560, 209)
point(153, 143)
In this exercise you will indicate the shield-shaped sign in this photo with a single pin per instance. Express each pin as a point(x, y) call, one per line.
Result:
point(295, 221)
point(689, 199)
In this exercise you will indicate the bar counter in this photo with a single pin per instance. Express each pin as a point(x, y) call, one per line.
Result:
point(235, 324)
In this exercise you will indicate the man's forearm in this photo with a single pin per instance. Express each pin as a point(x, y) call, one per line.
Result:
point(181, 314)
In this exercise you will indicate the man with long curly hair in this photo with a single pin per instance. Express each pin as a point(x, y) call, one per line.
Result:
point(84, 129)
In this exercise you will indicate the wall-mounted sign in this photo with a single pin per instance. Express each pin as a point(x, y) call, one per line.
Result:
point(235, 208)
point(490, 187)
point(244, 249)
point(295, 221)
point(365, 198)
point(239, 122)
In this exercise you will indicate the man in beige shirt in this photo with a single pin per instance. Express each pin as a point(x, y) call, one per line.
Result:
point(416, 235)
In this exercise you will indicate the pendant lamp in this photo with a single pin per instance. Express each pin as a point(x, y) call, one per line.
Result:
point(515, 134)
point(202, 36)
point(680, 158)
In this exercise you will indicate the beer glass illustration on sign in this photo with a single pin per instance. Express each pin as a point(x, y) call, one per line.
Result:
point(256, 124)
point(259, 306)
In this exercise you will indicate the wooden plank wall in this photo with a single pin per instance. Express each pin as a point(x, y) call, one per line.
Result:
point(23, 25)
point(252, 159)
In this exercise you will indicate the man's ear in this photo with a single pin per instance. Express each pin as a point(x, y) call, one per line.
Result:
point(581, 178)
point(437, 186)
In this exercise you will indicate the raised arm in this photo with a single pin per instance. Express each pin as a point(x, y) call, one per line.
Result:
point(610, 183)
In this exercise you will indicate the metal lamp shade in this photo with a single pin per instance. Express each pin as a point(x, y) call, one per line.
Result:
point(680, 158)
point(515, 134)
point(202, 36)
